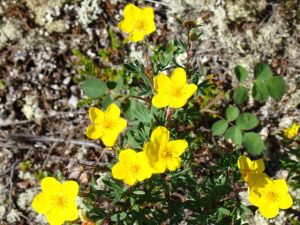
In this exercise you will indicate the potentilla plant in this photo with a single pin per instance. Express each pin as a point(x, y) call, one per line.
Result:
point(164, 168)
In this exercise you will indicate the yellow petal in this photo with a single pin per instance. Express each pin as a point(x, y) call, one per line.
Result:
point(132, 12)
point(268, 210)
point(244, 163)
point(55, 217)
point(285, 201)
point(121, 125)
point(148, 13)
point(160, 166)
point(127, 155)
point(112, 112)
point(173, 163)
point(130, 180)
point(258, 166)
point(94, 132)
point(177, 147)
point(41, 203)
point(178, 77)
point(151, 152)
point(136, 35)
point(160, 100)
point(71, 212)
point(70, 188)
point(109, 138)
point(189, 90)
point(176, 103)
point(280, 186)
point(258, 180)
point(50, 185)
point(126, 25)
point(119, 171)
point(162, 83)
point(254, 197)
point(145, 169)
point(160, 136)
point(96, 115)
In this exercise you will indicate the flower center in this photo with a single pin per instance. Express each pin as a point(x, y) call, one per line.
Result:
point(177, 92)
point(108, 124)
point(140, 25)
point(272, 196)
point(59, 201)
point(135, 168)
point(166, 153)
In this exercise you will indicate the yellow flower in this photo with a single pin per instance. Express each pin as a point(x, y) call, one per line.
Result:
point(252, 171)
point(163, 154)
point(132, 167)
point(137, 22)
point(172, 91)
point(291, 132)
point(106, 125)
point(270, 198)
point(57, 201)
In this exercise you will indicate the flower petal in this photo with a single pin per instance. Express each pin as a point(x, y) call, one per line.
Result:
point(94, 132)
point(173, 163)
point(70, 188)
point(71, 212)
point(160, 100)
point(285, 201)
point(131, 12)
point(136, 35)
point(126, 25)
point(148, 13)
point(244, 163)
point(177, 147)
point(145, 169)
point(50, 185)
point(151, 152)
point(254, 197)
point(119, 171)
point(160, 136)
point(121, 125)
point(178, 77)
point(258, 166)
point(177, 102)
point(268, 210)
point(162, 83)
point(41, 203)
point(96, 115)
point(109, 139)
point(55, 217)
point(112, 112)
point(127, 155)
point(280, 186)
point(130, 180)
point(189, 90)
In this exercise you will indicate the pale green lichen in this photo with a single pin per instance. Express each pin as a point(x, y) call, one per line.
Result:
point(9, 31)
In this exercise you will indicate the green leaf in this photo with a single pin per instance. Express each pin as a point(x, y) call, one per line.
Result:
point(234, 134)
point(232, 112)
point(247, 121)
point(240, 95)
point(253, 143)
point(224, 211)
point(260, 91)
point(241, 73)
point(276, 87)
point(139, 192)
point(94, 87)
point(118, 217)
point(219, 127)
point(262, 72)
